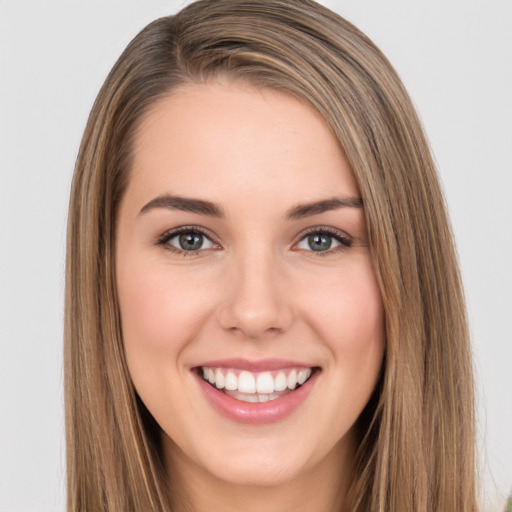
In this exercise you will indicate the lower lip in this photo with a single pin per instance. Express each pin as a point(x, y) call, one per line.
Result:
point(257, 413)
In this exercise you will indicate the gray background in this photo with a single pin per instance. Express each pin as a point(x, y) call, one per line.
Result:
point(455, 57)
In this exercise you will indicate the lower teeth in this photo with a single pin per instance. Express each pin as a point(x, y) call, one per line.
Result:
point(255, 397)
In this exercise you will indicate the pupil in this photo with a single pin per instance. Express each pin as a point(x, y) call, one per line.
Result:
point(320, 242)
point(191, 241)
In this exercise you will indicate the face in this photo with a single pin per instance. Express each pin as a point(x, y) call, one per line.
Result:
point(252, 321)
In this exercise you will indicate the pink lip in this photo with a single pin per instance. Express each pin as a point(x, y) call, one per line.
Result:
point(255, 413)
point(254, 366)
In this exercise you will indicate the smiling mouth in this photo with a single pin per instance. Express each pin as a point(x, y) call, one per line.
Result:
point(256, 387)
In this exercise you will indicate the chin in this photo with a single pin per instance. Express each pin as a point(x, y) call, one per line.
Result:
point(264, 472)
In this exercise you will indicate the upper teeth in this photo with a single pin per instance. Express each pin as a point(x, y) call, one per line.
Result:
point(248, 382)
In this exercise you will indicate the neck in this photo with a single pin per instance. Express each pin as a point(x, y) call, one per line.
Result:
point(322, 487)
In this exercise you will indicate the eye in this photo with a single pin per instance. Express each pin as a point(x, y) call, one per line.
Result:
point(187, 240)
point(322, 241)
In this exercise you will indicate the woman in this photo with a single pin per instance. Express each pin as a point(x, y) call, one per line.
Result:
point(264, 309)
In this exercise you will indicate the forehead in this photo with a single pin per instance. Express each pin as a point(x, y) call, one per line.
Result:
point(224, 139)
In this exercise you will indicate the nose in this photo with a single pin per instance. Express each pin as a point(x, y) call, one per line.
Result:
point(257, 302)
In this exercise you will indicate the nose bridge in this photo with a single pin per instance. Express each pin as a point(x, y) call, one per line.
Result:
point(256, 300)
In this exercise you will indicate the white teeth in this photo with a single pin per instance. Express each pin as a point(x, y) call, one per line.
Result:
point(303, 375)
point(219, 379)
point(246, 383)
point(243, 397)
point(292, 380)
point(231, 381)
point(265, 383)
point(281, 382)
point(261, 386)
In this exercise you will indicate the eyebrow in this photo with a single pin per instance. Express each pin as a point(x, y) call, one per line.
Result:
point(317, 207)
point(202, 207)
point(184, 204)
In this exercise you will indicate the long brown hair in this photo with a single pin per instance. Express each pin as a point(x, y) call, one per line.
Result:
point(416, 435)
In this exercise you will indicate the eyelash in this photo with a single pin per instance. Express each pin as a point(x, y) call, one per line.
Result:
point(192, 230)
point(344, 241)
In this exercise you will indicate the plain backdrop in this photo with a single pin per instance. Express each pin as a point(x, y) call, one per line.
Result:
point(455, 57)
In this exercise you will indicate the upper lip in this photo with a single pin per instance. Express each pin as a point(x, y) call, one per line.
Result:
point(255, 366)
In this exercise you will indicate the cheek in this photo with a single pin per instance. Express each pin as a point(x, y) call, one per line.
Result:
point(350, 307)
point(159, 314)
point(348, 313)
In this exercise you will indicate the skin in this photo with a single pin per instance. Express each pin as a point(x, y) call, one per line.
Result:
point(256, 291)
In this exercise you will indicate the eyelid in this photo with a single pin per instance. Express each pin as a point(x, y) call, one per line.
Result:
point(343, 238)
point(171, 233)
